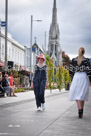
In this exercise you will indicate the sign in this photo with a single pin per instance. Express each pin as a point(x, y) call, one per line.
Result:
point(3, 23)
point(33, 49)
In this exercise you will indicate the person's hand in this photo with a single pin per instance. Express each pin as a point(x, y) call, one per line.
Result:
point(32, 85)
point(47, 85)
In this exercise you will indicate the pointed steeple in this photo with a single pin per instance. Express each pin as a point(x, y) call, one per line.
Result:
point(54, 5)
point(54, 14)
point(54, 49)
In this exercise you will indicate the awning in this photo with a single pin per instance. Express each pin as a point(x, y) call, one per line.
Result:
point(1, 64)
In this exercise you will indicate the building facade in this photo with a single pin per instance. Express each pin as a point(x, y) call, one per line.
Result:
point(15, 51)
point(54, 48)
point(36, 50)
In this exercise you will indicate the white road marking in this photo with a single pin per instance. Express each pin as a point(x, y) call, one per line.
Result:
point(16, 126)
point(10, 134)
point(33, 116)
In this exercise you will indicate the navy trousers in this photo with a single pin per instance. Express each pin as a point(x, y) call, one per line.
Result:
point(39, 91)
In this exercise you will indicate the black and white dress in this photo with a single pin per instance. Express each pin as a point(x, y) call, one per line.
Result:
point(79, 89)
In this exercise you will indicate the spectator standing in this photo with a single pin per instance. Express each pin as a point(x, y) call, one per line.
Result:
point(12, 83)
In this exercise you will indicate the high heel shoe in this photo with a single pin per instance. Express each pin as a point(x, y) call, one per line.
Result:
point(80, 113)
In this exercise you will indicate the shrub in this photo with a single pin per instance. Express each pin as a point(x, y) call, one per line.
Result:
point(19, 90)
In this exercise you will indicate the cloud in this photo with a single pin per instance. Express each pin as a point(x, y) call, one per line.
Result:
point(74, 21)
point(75, 25)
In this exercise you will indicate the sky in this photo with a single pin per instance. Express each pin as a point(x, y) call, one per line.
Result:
point(73, 16)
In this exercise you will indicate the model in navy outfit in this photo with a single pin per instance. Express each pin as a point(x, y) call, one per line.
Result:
point(39, 82)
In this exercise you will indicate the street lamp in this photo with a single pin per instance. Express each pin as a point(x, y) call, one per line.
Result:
point(6, 27)
point(31, 34)
point(0, 39)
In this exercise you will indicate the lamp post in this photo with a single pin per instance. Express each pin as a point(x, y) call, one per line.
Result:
point(0, 39)
point(31, 34)
point(45, 41)
point(6, 27)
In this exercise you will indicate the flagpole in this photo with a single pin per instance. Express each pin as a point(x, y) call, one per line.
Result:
point(0, 39)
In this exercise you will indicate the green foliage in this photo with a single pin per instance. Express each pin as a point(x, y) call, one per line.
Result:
point(16, 67)
point(63, 77)
point(21, 79)
point(19, 90)
point(15, 73)
point(60, 77)
point(67, 78)
point(50, 73)
point(47, 59)
point(16, 81)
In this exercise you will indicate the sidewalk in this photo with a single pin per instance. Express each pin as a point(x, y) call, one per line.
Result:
point(28, 95)
point(68, 124)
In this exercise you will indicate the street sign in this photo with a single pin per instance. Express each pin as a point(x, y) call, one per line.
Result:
point(3, 23)
point(33, 49)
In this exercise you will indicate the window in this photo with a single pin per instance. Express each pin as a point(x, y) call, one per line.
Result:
point(52, 47)
point(13, 54)
point(3, 52)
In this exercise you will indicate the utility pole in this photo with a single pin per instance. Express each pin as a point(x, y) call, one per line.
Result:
point(0, 39)
point(45, 41)
point(6, 29)
point(31, 33)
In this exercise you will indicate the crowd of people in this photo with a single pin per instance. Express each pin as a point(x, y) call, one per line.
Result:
point(7, 85)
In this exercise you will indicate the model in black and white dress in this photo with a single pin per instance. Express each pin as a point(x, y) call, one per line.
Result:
point(80, 71)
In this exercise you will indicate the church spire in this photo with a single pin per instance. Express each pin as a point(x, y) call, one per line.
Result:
point(54, 5)
point(54, 14)
point(54, 49)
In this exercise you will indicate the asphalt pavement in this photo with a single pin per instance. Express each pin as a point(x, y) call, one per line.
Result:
point(68, 123)
point(19, 117)
point(27, 96)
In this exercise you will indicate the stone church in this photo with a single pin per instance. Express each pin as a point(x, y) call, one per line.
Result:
point(54, 48)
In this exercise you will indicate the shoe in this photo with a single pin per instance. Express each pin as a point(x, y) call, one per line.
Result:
point(5, 95)
point(80, 114)
point(14, 95)
point(39, 109)
point(43, 106)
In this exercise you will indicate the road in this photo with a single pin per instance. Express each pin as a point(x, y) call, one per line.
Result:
point(59, 119)
point(22, 119)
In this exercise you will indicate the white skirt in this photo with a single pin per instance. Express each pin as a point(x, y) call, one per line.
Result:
point(79, 89)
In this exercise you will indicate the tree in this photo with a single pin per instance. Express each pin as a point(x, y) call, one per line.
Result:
point(67, 78)
point(60, 77)
point(47, 59)
point(50, 73)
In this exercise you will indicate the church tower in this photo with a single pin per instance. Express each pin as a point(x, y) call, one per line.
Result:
point(54, 49)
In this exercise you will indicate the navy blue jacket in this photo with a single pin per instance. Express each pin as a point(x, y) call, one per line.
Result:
point(40, 75)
